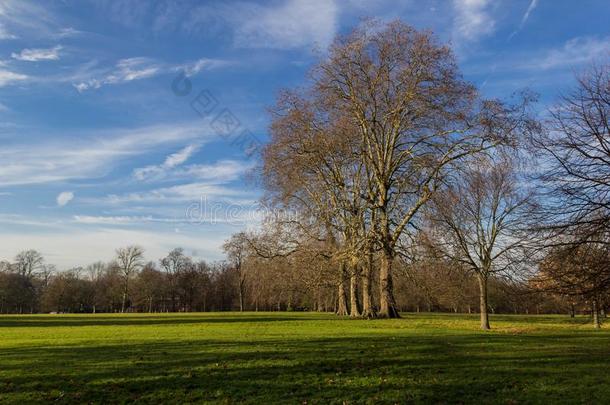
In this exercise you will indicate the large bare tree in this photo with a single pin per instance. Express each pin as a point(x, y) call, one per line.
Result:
point(391, 99)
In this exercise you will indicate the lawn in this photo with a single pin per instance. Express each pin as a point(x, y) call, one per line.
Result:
point(301, 358)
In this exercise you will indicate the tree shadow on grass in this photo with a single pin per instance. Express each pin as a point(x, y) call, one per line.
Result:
point(383, 369)
point(139, 320)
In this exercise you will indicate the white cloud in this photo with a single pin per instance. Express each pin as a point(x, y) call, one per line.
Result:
point(472, 20)
point(64, 198)
point(180, 157)
point(192, 68)
point(25, 18)
point(88, 155)
point(7, 77)
point(138, 68)
point(126, 70)
point(533, 4)
point(220, 172)
point(170, 162)
point(67, 32)
point(122, 219)
point(190, 192)
point(35, 55)
point(574, 52)
point(286, 25)
point(530, 8)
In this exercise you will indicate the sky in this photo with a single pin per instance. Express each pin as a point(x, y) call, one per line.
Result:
point(137, 122)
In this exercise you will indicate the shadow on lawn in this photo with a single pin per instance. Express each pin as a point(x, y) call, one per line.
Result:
point(451, 368)
point(128, 320)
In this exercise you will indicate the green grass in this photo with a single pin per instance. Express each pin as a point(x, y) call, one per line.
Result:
point(301, 357)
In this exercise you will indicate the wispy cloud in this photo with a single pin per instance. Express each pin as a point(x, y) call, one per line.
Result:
point(575, 52)
point(221, 172)
point(288, 25)
point(64, 198)
point(19, 17)
point(88, 155)
point(7, 77)
point(190, 192)
point(472, 20)
point(35, 55)
point(125, 70)
point(123, 219)
point(533, 4)
point(138, 68)
point(170, 162)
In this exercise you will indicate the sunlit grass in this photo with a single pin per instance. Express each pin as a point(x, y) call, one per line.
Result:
point(298, 357)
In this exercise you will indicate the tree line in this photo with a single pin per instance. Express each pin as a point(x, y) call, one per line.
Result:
point(395, 185)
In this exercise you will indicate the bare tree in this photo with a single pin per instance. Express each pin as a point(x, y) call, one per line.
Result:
point(95, 273)
point(175, 263)
point(28, 262)
point(414, 116)
point(236, 249)
point(577, 147)
point(577, 270)
point(129, 259)
point(482, 222)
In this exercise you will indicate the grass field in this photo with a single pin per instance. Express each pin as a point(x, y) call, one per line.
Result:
point(301, 357)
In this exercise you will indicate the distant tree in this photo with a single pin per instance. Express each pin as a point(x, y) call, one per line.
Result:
point(236, 249)
point(95, 273)
point(150, 285)
point(129, 261)
point(578, 270)
point(28, 262)
point(175, 263)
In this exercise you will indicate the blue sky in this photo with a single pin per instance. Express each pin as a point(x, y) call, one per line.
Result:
point(103, 145)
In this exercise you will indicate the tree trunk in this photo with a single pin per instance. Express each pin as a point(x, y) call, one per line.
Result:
point(387, 304)
point(483, 302)
point(368, 311)
point(342, 296)
point(123, 301)
point(353, 293)
point(595, 311)
point(572, 311)
point(241, 296)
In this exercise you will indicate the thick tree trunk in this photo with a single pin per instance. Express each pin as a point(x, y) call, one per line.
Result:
point(342, 296)
point(595, 311)
point(353, 294)
point(368, 311)
point(572, 311)
point(483, 302)
point(387, 304)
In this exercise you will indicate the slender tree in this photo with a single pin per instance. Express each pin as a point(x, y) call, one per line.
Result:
point(129, 260)
point(483, 221)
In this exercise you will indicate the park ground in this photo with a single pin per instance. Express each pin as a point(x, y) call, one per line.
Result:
point(301, 358)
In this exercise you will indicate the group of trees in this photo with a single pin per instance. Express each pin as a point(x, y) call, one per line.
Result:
point(128, 283)
point(388, 160)
point(394, 185)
